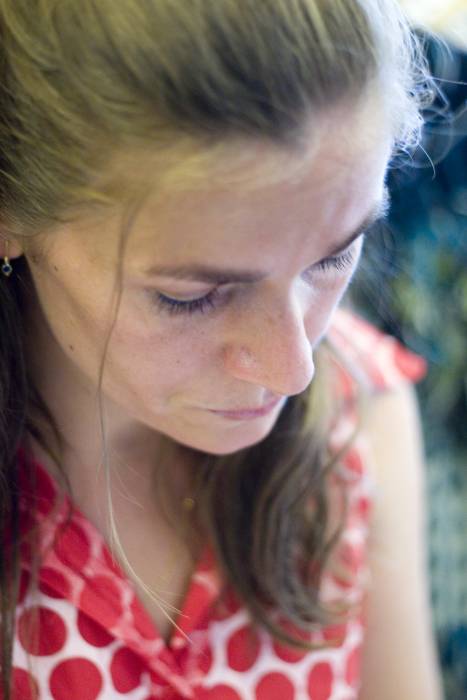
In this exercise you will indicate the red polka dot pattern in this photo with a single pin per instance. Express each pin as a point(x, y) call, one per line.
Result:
point(220, 692)
point(141, 621)
point(101, 592)
point(126, 669)
point(227, 605)
point(91, 632)
point(53, 583)
point(335, 633)
point(76, 679)
point(352, 671)
point(205, 659)
point(96, 641)
point(73, 547)
point(286, 652)
point(275, 685)
point(320, 682)
point(41, 631)
point(24, 685)
point(242, 649)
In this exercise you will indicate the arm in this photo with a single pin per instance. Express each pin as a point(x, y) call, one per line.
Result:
point(399, 656)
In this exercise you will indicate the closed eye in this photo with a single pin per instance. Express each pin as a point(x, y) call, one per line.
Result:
point(339, 262)
point(213, 299)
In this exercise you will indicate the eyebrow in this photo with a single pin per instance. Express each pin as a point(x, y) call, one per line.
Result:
point(224, 275)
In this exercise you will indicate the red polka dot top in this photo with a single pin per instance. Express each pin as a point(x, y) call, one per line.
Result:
point(96, 641)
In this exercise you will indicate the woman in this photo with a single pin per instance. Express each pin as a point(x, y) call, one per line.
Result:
point(186, 502)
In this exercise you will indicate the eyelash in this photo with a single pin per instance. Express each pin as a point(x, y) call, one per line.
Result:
point(210, 300)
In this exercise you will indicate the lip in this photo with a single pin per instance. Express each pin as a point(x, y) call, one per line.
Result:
point(245, 414)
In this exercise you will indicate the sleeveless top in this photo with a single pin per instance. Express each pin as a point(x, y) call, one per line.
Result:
point(96, 641)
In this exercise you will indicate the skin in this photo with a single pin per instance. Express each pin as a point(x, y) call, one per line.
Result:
point(163, 372)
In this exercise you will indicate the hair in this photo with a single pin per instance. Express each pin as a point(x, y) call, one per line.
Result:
point(88, 89)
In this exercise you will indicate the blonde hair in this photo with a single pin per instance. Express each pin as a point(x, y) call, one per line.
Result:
point(90, 88)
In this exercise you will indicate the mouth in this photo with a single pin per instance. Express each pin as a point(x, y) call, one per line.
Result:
point(248, 413)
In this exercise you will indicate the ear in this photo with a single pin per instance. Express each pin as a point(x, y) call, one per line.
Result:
point(10, 247)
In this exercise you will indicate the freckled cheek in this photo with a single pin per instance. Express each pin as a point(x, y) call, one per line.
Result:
point(161, 359)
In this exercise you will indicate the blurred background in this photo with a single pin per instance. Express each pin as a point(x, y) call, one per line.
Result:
point(446, 17)
point(413, 284)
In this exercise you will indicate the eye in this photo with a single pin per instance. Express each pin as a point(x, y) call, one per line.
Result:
point(175, 306)
point(345, 260)
point(214, 298)
point(339, 262)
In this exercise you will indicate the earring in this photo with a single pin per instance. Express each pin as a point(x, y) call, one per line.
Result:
point(6, 266)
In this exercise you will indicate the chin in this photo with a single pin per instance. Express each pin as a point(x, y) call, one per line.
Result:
point(222, 444)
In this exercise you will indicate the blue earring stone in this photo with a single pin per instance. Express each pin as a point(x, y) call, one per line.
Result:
point(7, 268)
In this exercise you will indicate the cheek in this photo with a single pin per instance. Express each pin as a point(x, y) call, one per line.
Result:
point(159, 357)
point(322, 305)
point(73, 315)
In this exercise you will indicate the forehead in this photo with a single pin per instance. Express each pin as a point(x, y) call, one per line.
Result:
point(339, 176)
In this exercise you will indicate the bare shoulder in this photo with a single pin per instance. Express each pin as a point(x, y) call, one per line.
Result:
point(392, 426)
point(399, 644)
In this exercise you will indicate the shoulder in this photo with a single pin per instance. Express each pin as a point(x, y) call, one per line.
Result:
point(393, 433)
point(399, 639)
point(397, 608)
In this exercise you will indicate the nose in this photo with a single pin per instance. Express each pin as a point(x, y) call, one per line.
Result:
point(273, 349)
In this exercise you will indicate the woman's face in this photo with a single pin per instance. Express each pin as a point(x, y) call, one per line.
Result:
point(238, 344)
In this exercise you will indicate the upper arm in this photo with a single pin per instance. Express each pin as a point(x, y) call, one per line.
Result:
point(399, 660)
